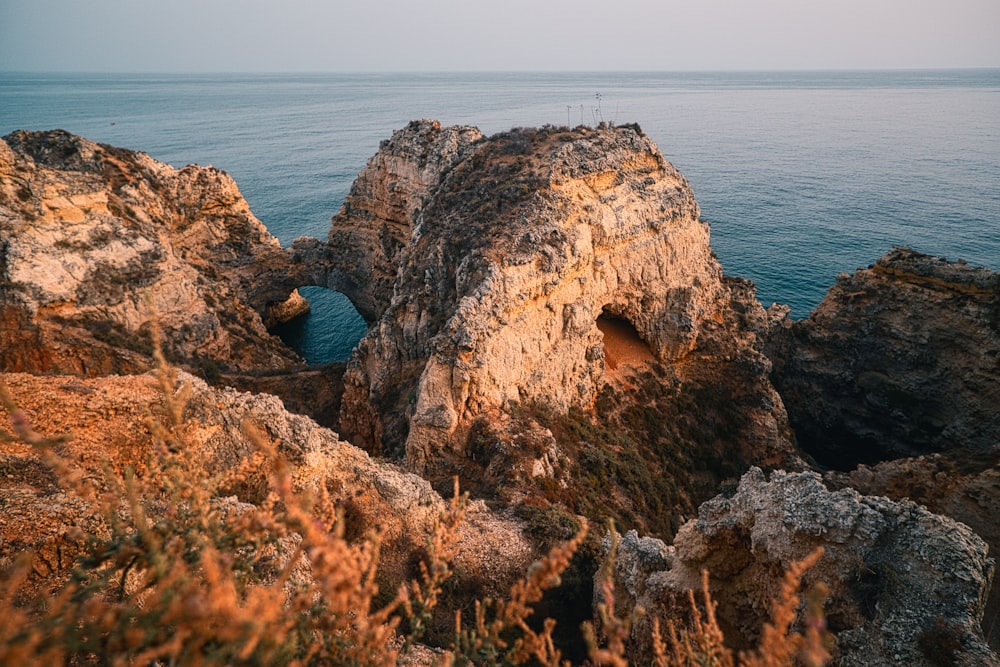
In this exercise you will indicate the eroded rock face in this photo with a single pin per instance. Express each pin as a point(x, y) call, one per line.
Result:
point(963, 484)
point(903, 581)
point(108, 419)
point(502, 267)
point(376, 220)
point(94, 239)
point(899, 359)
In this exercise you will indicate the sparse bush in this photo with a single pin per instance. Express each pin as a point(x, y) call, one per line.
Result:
point(183, 572)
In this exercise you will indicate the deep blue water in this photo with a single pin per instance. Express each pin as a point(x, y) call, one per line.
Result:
point(802, 175)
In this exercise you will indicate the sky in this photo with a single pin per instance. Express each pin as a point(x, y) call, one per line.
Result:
point(473, 35)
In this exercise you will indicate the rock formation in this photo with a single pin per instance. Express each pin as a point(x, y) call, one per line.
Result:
point(95, 239)
point(502, 272)
point(490, 267)
point(900, 359)
point(376, 220)
point(905, 584)
point(549, 323)
point(963, 484)
point(517, 251)
point(108, 421)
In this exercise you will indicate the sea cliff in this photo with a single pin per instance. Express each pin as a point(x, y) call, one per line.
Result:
point(548, 324)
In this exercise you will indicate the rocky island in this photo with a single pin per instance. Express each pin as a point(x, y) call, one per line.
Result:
point(549, 326)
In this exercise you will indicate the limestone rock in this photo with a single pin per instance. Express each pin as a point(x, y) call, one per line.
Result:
point(900, 359)
point(897, 573)
point(565, 269)
point(963, 484)
point(108, 421)
point(378, 215)
point(294, 306)
point(94, 239)
point(503, 254)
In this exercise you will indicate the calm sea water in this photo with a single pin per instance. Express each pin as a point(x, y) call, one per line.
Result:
point(801, 175)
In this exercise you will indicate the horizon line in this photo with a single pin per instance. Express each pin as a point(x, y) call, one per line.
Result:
point(499, 71)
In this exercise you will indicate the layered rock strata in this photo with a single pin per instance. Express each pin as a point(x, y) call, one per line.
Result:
point(899, 359)
point(95, 241)
point(907, 587)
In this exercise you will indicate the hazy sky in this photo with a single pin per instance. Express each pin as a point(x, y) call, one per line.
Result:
point(396, 35)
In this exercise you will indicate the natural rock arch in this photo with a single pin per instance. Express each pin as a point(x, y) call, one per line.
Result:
point(487, 263)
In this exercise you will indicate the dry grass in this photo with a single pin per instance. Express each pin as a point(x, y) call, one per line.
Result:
point(182, 575)
point(701, 642)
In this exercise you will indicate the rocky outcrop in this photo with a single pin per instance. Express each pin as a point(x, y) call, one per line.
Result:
point(376, 220)
point(963, 484)
point(907, 587)
point(108, 421)
point(900, 359)
point(95, 240)
point(556, 270)
point(504, 254)
point(549, 323)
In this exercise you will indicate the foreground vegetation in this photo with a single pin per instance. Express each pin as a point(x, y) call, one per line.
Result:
point(181, 574)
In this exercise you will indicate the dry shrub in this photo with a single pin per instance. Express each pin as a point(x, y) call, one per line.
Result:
point(184, 575)
point(500, 633)
point(700, 643)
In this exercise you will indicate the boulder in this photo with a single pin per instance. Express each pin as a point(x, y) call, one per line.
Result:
point(906, 586)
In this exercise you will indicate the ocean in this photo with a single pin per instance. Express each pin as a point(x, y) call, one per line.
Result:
point(801, 175)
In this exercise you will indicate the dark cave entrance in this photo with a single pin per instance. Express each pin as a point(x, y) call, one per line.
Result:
point(328, 332)
point(622, 343)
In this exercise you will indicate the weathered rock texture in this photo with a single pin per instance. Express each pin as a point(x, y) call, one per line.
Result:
point(905, 584)
point(549, 322)
point(376, 220)
point(108, 421)
point(899, 359)
point(95, 239)
point(963, 484)
point(557, 270)
point(502, 254)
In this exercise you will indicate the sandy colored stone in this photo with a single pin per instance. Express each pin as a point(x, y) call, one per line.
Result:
point(96, 240)
point(501, 254)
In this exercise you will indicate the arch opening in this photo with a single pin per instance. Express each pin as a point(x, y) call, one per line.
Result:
point(623, 346)
point(328, 332)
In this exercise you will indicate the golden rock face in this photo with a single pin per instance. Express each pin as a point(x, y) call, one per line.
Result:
point(97, 239)
point(501, 263)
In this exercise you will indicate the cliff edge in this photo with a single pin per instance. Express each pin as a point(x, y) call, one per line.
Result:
point(899, 359)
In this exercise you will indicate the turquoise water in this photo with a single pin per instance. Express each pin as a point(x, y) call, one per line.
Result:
point(802, 175)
